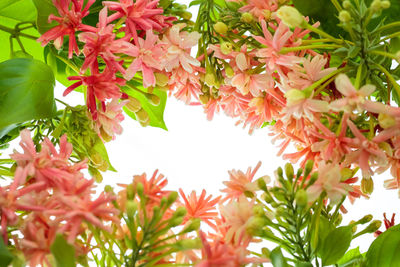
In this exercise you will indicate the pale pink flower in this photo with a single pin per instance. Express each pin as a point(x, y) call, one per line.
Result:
point(201, 207)
point(353, 99)
point(186, 85)
point(258, 8)
point(102, 43)
point(109, 120)
point(274, 43)
point(148, 54)
point(178, 45)
point(70, 21)
point(367, 152)
point(329, 180)
point(240, 182)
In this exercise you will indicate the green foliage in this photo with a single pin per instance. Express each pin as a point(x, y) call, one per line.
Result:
point(155, 112)
point(323, 11)
point(5, 255)
point(335, 245)
point(277, 258)
point(44, 9)
point(63, 253)
point(384, 251)
point(352, 258)
point(26, 91)
point(14, 16)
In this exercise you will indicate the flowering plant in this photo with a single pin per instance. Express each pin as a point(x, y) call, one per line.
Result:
point(320, 75)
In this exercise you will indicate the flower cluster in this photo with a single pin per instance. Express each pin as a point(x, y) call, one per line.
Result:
point(49, 196)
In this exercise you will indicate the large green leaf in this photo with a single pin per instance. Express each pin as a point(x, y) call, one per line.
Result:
point(277, 258)
point(323, 11)
point(26, 91)
point(352, 258)
point(5, 255)
point(384, 251)
point(63, 253)
point(44, 9)
point(13, 12)
point(156, 113)
point(335, 245)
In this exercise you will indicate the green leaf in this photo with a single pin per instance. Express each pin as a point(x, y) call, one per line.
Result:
point(351, 259)
point(323, 11)
point(5, 255)
point(384, 251)
point(26, 91)
point(325, 227)
point(336, 244)
point(13, 12)
point(63, 252)
point(44, 9)
point(394, 45)
point(156, 113)
point(302, 264)
point(277, 258)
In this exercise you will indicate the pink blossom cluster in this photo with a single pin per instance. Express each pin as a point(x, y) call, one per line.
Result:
point(48, 196)
point(133, 40)
point(307, 103)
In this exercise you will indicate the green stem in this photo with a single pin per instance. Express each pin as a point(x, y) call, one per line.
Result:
point(68, 63)
point(17, 33)
point(324, 34)
point(383, 53)
point(323, 40)
point(396, 86)
point(337, 5)
point(358, 77)
point(308, 91)
point(390, 36)
point(387, 26)
point(286, 50)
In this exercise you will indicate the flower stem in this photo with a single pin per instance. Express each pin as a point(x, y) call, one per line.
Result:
point(306, 47)
point(17, 32)
point(308, 91)
point(396, 86)
point(326, 35)
point(387, 26)
point(337, 5)
point(383, 53)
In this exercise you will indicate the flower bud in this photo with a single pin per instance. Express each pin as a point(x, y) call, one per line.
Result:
point(375, 225)
point(130, 192)
point(313, 179)
point(246, 17)
point(309, 166)
point(172, 198)
point(266, 253)
point(161, 79)
point(143, 117)
point(229, 71)
point(98, 160)
point(109, 189)
point(186, 244)
point(180, 212)
point(204, 98)
point(289, 171)
point(294, 96)
point(376, 5)
point(266, 14)
point(153, 99)
point(385, 146)
point(175, 221)
point(133, 104)
point(186, 15)
point(365, 219)
point(131, 208)
point(344, 16)
point(210, 79)
point(346, 4)
point(367, 185)
point(220, 28)
point(385, 4)
point(194, 225)
point(255, 226)
point(291, 16)
point(226, 48)
point(258, 210)
point(105, 136)
point(140, 189)
point(301, 198)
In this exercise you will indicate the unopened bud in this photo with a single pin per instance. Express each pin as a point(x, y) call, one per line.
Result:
point(131, 208)
point(294, 96)
point(344, 16)
point(266, 14)
point(108, 189)
point(376, 5)
point(99, 162)
point(210, 79)
point(255, 226)
point(204, 98)
point(266, 253)
point(226, 48)
point(291, 16)
point(258, 210)
point(143, 117)
point(301, 198)
point(365, 219)
point(354, 226)
point(186, 15)
point(133, 104)
point(309, 166)
point(367, 185)
point(130, 192)
point(186, 244)
point(346, 4)
point(246, 17)
point(140, 189)
point(313, 179)
point(172, 198)
point(180, 212)
point(153, 99)
point(220, 28)
point(289, 171)
point(161, 79)
point(375, 225)
point(105, 136)
point(385, 4)
point(229, 71)
point(385, 146)
point(194, 225)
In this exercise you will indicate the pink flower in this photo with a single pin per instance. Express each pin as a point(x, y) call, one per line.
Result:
point(108, 120)
point(353, 98)
point(271, 54)
point(201, 207)
point(186, 85)
point(329, 180)
point(258, 8)
point(178, 44)
point(102, 43)
point(148, 54)
point(70, 21)
point(138, 15)
point(101, 86)
point(240, 182)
